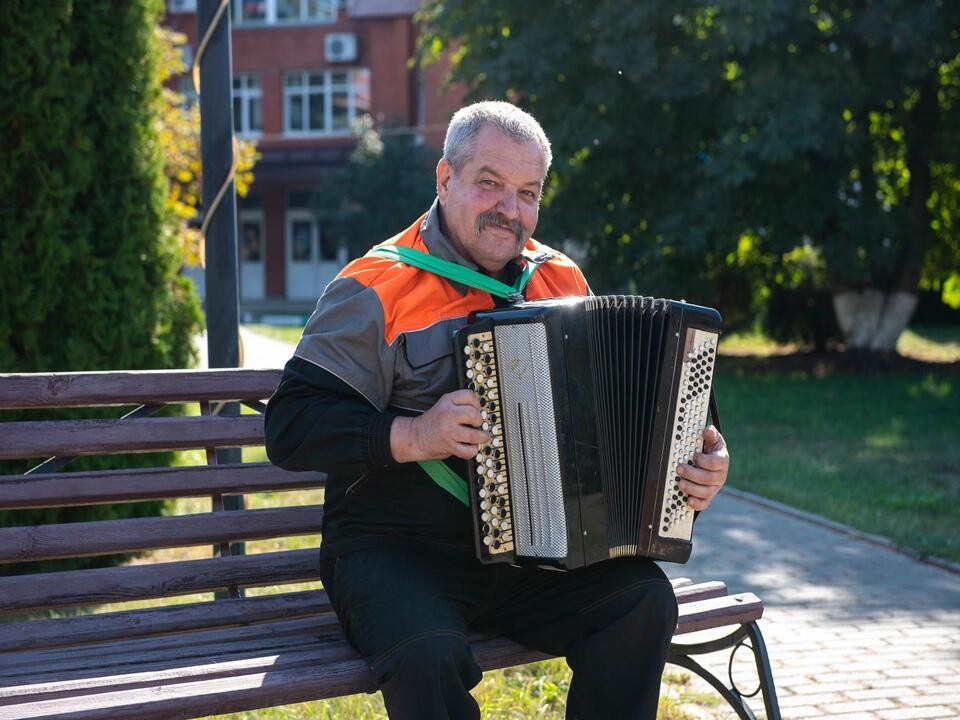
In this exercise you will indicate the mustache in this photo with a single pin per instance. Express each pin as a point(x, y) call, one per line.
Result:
point(492, 217)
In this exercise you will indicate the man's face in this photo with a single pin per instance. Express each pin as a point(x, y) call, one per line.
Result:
point(490, 207)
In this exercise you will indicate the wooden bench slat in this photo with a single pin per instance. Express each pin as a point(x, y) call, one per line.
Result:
point(129, 624)
point(36, 439)
point(152, 622)
point(45, 686)
point(700, 591)
point(244, 691)
point(141, 387)
point(108, 537)
point(177, 701)
point(314, 619)
point(108, 486)
point(246, 657)
point(719, 611)
point(170, 648)
point(693, 616)
point(71, 588)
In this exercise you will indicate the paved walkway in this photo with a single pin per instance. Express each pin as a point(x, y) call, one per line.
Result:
point(855, 630)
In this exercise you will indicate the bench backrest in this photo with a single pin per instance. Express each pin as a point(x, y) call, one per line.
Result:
point(219, 425)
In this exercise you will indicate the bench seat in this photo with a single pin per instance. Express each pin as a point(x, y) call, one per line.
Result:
point(242, 650)
point(227, 666)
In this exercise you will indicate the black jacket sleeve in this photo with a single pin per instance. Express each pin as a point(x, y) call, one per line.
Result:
point(315, 421)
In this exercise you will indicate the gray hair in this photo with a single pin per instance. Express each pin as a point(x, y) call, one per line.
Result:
point(509, 119)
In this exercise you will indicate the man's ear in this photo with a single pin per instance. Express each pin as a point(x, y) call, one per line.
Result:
point(444, 174)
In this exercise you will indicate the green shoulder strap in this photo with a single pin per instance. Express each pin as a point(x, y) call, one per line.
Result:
point(459, 273)
point(439, 471)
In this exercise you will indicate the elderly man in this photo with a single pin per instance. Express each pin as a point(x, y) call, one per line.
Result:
point(371, 390)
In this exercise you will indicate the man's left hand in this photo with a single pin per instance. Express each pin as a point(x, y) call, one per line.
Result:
point(703, 480)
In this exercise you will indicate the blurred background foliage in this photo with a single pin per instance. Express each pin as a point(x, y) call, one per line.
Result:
point(100, 181)
point(389, 181)
point(763, 157)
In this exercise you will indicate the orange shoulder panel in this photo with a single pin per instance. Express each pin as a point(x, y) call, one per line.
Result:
point(411, 298)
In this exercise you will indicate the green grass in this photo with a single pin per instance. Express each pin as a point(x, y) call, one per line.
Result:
point(537, 691)
point(278, 332)
point(874, 452)
point(939, 343)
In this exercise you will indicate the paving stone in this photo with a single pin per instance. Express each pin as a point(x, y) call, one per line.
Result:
point(805, 711)
point(862, 706)
point(938, 711)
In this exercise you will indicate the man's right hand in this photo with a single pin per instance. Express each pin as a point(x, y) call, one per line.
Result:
point(450, 427)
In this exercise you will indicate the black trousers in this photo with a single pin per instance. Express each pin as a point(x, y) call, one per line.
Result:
point(408, 612)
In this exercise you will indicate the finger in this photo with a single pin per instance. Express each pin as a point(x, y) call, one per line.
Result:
point(712, 439)
point(696, 490)
point(467, 415)
point(700, 475)
point(718, 461)
point(468, 436)
point(465, 451)
point(696, 503)
point(464, 397)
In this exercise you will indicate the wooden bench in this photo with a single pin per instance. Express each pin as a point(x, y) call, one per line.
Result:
point(232, 653)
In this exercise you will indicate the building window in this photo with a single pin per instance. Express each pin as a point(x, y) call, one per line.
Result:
point(284, 12)
point(324, 102)
point(247, 105)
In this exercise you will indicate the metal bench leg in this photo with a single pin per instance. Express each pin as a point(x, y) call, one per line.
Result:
point(680, 654)
point(764, 672)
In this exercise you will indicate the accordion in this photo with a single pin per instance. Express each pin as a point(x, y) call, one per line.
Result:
point(590, 403)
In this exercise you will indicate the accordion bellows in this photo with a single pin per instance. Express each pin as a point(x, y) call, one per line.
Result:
point(591, 404)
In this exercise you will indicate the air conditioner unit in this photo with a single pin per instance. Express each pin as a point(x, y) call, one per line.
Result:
point(340, 47)
point(181, 6)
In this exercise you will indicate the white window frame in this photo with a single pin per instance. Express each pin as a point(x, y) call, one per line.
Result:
point(270, 6)
point(327, 89)
point(249, 89)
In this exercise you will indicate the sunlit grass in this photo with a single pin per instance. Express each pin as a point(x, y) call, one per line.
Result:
point(867, 450)
point(939, 343)
point(287, 334)
point(537, 690)
point(752, 342)
point(927, 343)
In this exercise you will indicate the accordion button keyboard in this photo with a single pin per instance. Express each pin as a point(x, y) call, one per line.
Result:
point(676, 517)
point(491, 485)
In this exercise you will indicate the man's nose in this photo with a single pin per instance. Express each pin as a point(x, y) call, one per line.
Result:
point(508, 205)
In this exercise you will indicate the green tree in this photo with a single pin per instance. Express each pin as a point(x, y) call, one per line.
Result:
point(692, 136)
point(88, 246)
point(88, 243)
point(179, 133)
point(387, 184)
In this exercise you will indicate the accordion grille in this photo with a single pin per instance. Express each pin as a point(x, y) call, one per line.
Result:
point(536, 491)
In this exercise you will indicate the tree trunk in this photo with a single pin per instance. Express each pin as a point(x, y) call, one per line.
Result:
point(873, 320)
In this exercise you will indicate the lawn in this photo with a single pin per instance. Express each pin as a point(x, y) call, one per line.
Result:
point(870, 451)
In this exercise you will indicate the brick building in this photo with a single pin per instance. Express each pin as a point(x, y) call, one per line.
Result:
point(303, 71)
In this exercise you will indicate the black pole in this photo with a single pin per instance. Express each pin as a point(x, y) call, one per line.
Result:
point(222, 302)
point(216, 157)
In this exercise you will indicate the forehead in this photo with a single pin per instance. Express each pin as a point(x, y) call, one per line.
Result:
point(520, 162)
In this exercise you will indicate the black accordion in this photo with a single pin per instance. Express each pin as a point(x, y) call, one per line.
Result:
point(591, 403)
